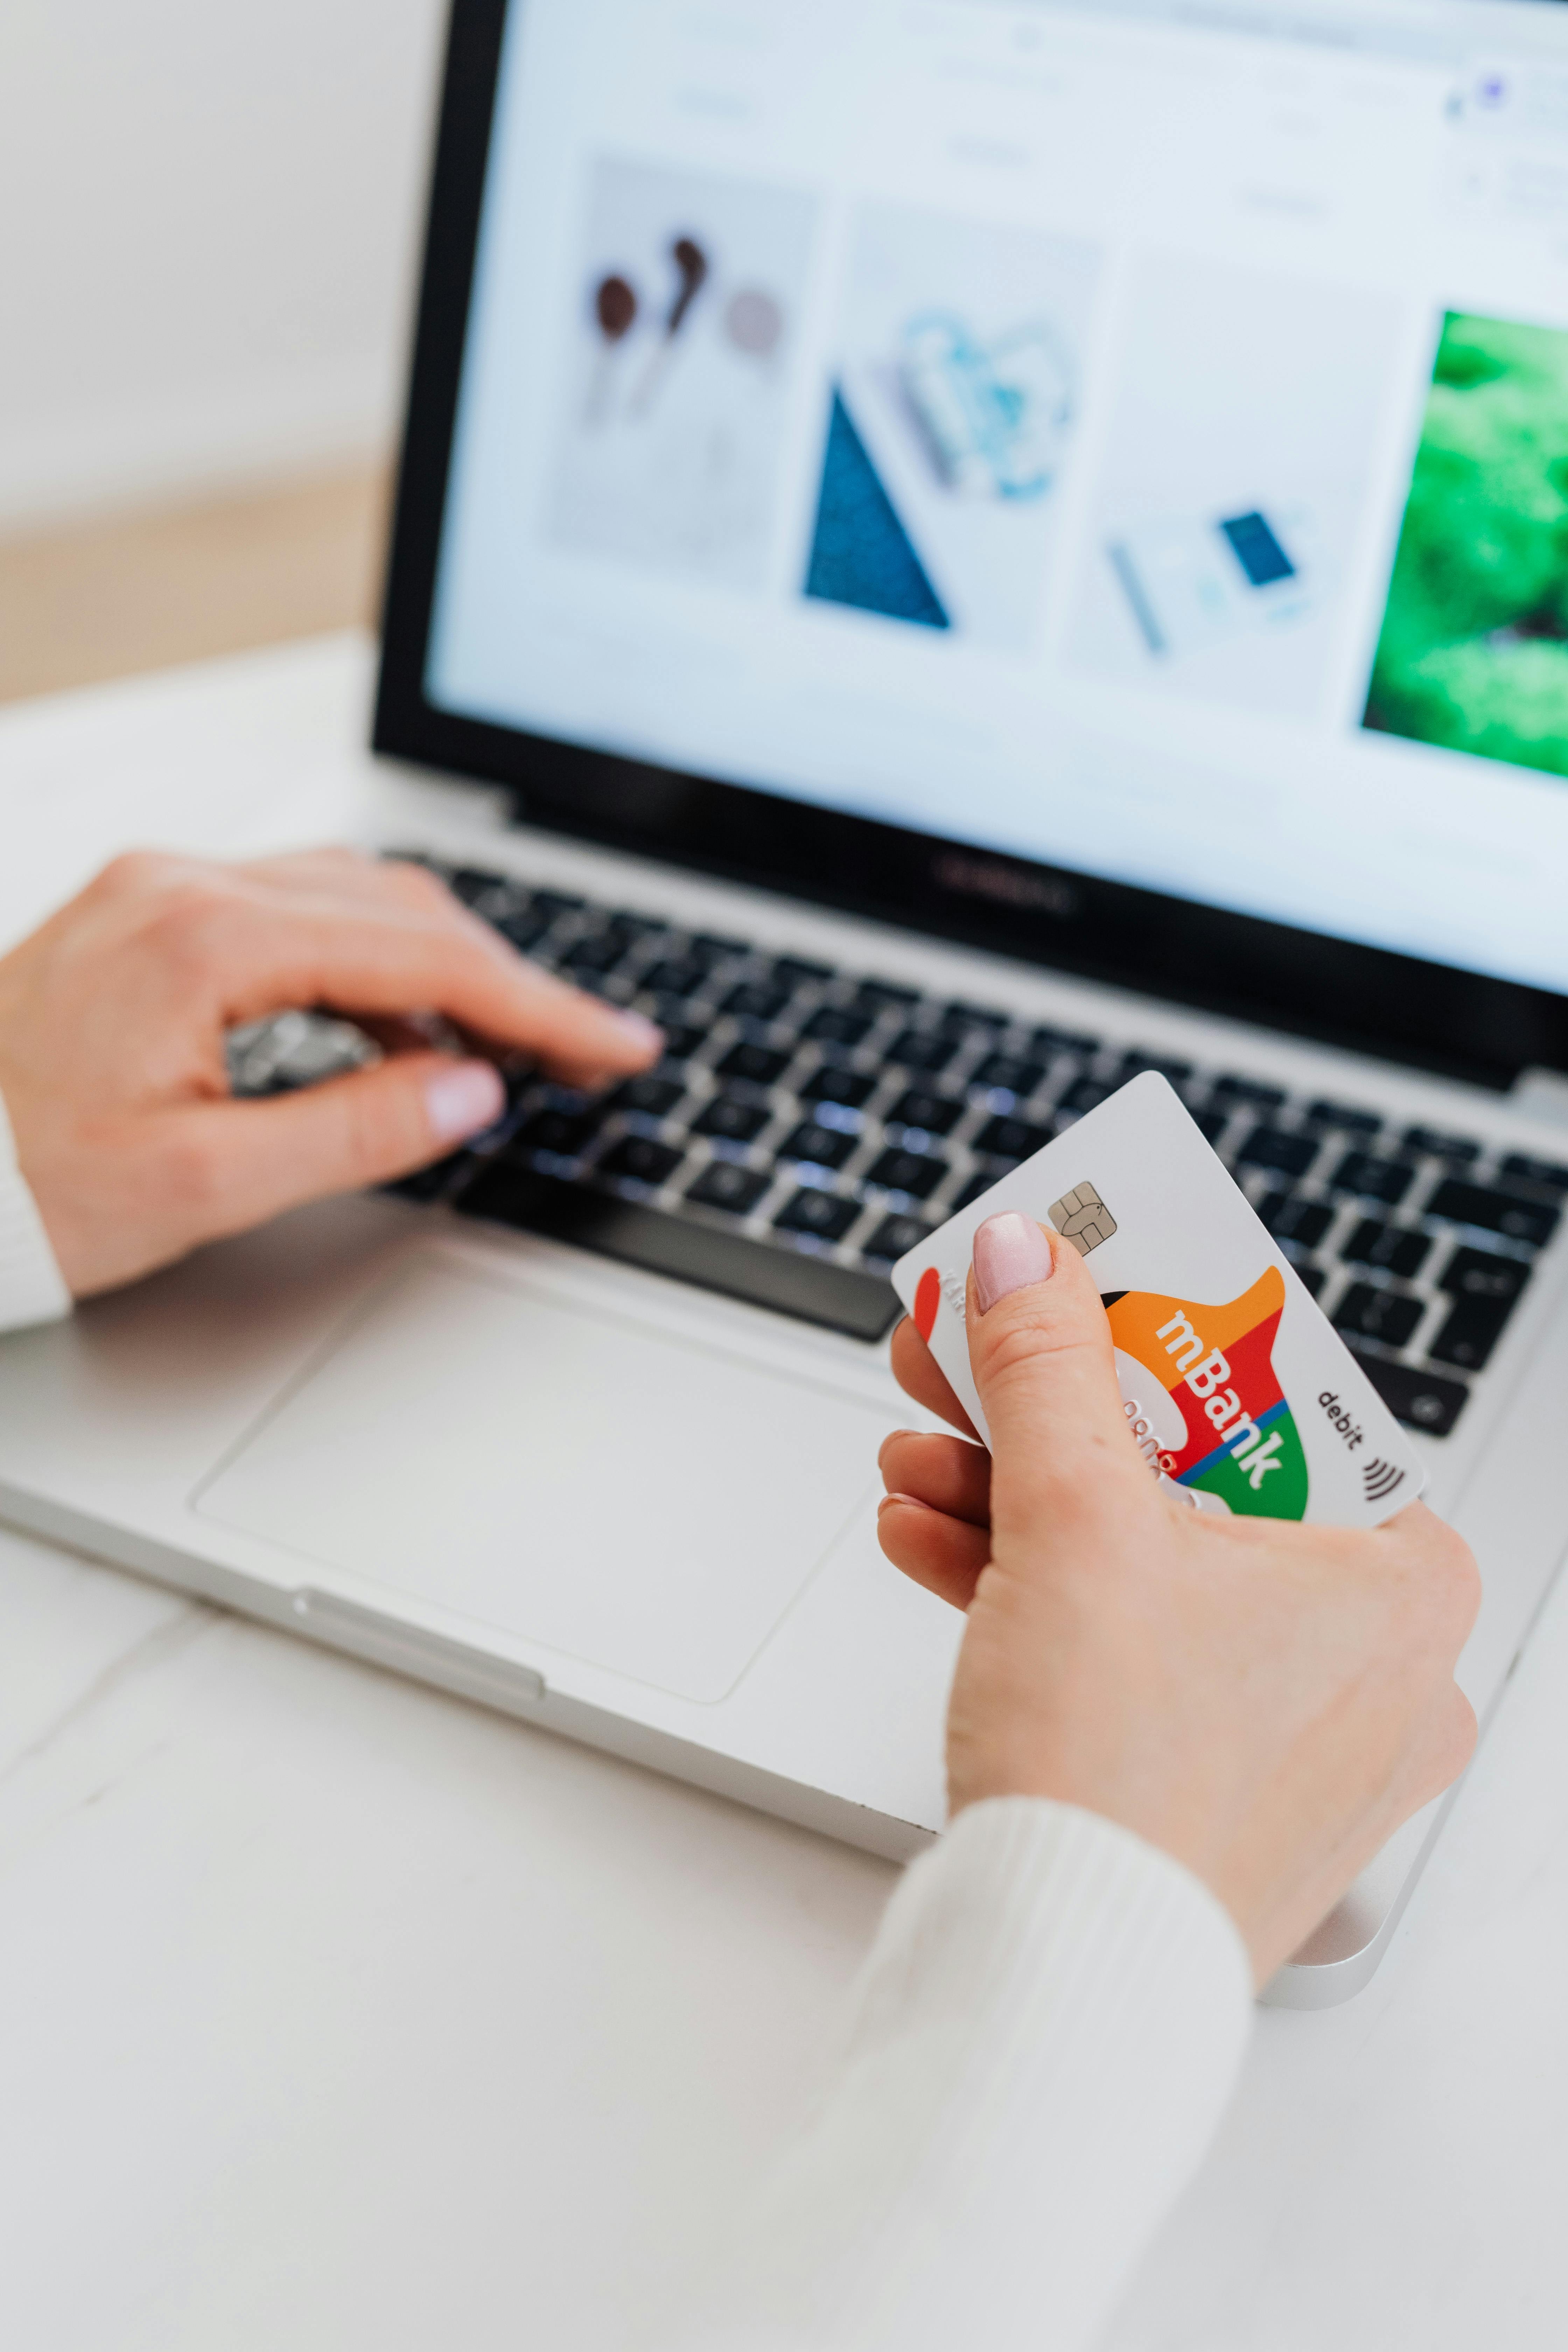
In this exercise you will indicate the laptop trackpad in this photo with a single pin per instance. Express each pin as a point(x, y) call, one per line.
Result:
point(577, 1478)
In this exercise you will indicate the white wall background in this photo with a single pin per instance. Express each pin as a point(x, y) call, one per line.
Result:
point(211, 211)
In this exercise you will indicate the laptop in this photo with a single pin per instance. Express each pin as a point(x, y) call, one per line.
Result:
point(953, 551)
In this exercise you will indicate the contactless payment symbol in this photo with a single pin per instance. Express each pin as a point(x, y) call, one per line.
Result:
point(1237, 1447)
point(1380, 1478)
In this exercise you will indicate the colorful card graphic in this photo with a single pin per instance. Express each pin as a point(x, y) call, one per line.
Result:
point(1238, 1439)
point(1238, 1392)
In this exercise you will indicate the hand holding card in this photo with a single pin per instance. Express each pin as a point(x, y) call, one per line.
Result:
point(1239, 1393)
point(1263, 1700)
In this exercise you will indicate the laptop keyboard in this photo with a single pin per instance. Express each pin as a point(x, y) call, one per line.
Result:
point(807, 1126)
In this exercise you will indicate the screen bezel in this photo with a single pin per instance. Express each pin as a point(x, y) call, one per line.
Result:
point(1396, 1007)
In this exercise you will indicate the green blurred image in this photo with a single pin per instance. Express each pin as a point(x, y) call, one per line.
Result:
point(1474, 651)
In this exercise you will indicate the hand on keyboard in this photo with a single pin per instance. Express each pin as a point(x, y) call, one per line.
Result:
point(113, 1020)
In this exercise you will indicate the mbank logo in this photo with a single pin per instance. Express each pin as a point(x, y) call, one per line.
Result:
point(1216, 1364)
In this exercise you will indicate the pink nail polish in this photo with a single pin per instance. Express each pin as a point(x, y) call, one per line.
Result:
point(1011, 1252)
point(462, 1100)
point(642, 1032)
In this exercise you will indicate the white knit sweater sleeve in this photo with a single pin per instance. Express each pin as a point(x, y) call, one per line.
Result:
point(32, 1288)
point(1045, 2035)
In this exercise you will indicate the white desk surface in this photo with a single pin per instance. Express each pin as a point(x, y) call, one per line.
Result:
point(340, 2015)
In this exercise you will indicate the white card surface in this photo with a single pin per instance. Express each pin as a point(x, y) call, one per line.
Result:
point(1239, 1392)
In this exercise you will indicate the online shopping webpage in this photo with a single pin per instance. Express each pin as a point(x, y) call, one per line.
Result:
point(1131, 436)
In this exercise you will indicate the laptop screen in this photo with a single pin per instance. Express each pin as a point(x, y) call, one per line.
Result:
point(1130, 437)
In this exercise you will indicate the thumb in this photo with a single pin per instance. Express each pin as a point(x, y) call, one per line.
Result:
point(258, 1158)
point(1041, 1352)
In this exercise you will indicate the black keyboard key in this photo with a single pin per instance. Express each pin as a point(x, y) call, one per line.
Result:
point(1314, 1276)
point(764, 1066)
point(1283, 1154)
point(706, 948)
point(875, 996)
point(635, 929)
point(1470, 1333)
point(524, 927)
point(824, 1147)
point(641, 1159)
point(1430, 1143)
point(1544, 1172)
point(1482, 1275)
point(654, 1096)
point(833, 1083)
point(1049, 1043)
point(1418, 1398)
point(792, 972)
point(963, 1020)
point(933, 1114)
point(469, 884)
point(1212, 1124)
point(1394, 1248)
point(895, 1237)
point(1374, 1180)
point(1385, 1314)
point(1009, 1073)
point(677, 976)
point(600, 953)
point(1134, 1064)
point(567, 1133)
point(1291, 1219)
point(736, 1122)
point(725, 1186)
point(680, 1040)
point(826, 1214)
point(922, 1049)
point(982, 1182)
point(1083, 1095)
point(1494, 1212)
point(907, 1171)
point(1228, 1092)
point(1343, 1118)
point(830, 1025)
point(1011, 1138)
point(804, 1283)
point(749, 1003)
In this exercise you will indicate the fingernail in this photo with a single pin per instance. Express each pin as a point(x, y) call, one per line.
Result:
point(460, 1101)
point(642, 1032)
point(1010, 1252)
point(913, 1503)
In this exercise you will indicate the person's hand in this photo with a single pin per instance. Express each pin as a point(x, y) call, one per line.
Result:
point(113, 1018)
point(1266, 1701)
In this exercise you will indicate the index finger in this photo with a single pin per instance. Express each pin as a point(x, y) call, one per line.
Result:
point(266, 956)
point(920, 1376)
